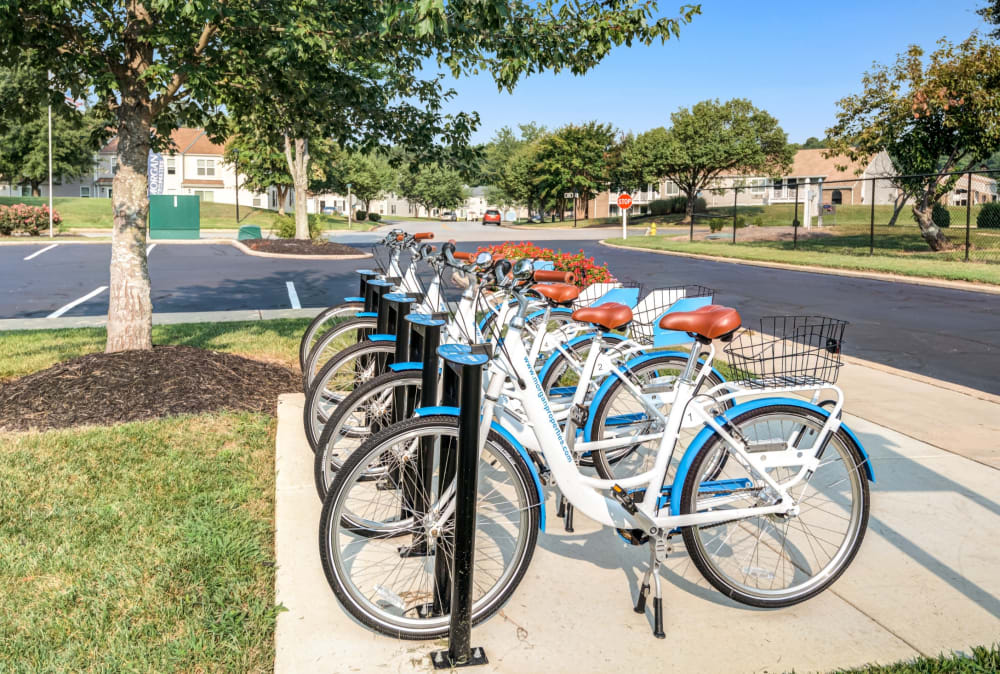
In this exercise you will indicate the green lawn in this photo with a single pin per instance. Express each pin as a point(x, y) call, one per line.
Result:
point(923, 264)
point(26, 351)
point(140, 547)
point(145, 546)
point(982, 660)
point(96, 213)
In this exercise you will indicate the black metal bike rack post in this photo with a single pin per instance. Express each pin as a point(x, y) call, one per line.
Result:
point(463, 379)
point(365, 275)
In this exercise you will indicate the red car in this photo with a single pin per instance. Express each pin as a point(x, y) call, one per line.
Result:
point(491, 217)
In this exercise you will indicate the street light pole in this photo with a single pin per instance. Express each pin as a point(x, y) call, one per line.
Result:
point(50, 163)
point(236, 163)
point(350, 213)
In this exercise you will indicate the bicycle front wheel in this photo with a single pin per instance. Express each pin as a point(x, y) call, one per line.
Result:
point(333, 341)
point(323, 322)
point(772, 561)
point(387, 549)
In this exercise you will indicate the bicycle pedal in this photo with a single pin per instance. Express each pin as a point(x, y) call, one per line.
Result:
point(579, 414)
point(633, 536)
point(624, 498)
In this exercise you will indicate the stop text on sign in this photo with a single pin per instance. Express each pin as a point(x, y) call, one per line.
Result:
point(624, 201)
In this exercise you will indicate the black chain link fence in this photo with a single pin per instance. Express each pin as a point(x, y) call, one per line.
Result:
point(843, 217)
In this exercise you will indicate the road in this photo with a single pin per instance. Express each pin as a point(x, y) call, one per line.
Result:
point(938, 332)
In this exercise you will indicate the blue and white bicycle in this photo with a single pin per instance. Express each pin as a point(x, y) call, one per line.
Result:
point(770, 496)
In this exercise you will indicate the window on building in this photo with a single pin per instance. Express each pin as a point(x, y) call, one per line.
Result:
point(837, 197)
point(85, 192)
point(206, 167)
point(205, 195)
point(392, 209)
point(758, 185)
point(256, 202)
point(671, 189)
point(171, 166)
point(113, 164)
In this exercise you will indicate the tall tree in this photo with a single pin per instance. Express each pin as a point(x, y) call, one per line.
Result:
point(714, 139)
point(369, 175)
point(76, 134)
point(991, 14)
point(260, 162)
point(574, 159)
point(433, 186)
point(932, 118)
point(324, 63)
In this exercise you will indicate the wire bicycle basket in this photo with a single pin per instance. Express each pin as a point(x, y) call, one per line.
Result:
point(787, 351)
point(647, 313)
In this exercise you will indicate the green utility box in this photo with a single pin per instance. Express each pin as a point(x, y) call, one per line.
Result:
point(248, 232)
point(174, 216)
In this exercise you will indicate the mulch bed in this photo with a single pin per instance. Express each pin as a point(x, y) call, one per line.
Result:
point(104, 389)
point(300, 247)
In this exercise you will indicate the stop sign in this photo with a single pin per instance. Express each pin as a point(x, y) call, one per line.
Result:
point(624, 201)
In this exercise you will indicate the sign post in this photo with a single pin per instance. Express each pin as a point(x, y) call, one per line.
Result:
point(350, 213)
point(624, 203)
point(573, 196)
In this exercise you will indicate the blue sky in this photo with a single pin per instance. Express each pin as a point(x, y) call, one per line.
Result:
point(794, 59)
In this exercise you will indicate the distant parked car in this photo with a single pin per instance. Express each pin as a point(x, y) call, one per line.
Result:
point(492, 217)
point(329, 210)
point(449, 216)
point(536, 218)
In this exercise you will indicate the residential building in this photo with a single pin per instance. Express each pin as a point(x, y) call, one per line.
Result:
point(984, 190)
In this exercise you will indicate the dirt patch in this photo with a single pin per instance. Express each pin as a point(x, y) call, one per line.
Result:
point(104, 389)
point(299, 247)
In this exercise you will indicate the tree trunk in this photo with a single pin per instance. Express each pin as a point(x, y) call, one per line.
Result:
point(130, 309)
point(931, 233)
point(282, 193)
point(898, 205)
point(689, 208)
point(298, 167)
point(36, 191)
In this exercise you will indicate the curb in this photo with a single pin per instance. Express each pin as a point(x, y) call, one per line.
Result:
point(930, 381)
point(166, 318)
point(830, 271)
point(216, 242)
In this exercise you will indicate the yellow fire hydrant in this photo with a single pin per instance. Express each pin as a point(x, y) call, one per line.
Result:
point(652, 229)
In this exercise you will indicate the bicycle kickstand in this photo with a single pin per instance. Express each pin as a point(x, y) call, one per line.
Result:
point(657, 552)
point(566, 512)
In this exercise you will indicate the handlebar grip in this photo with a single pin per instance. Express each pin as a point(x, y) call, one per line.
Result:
point(400, 237)
point(422, 236)
point(552, 276)
point(464, 256)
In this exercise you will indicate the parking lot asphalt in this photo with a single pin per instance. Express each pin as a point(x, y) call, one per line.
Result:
point(944, 333)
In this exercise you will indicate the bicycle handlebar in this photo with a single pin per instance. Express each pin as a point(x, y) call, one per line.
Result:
point(552, 276)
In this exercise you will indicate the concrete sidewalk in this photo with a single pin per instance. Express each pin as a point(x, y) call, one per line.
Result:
point(924, 581)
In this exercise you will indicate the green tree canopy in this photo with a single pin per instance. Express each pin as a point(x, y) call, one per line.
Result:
point(575, 158)
point(370, 175)
point(433, 186)
point(931, 117)
point(712, 139)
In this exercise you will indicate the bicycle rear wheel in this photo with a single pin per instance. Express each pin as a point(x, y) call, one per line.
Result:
point(385, 553)
point(332, 342)
point(772, 561)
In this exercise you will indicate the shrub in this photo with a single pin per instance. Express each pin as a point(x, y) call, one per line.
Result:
point(374, 217)
point(21, 219)
point(716, 224)
point(758, 221)
point(679, 205)
point(940, 216)
point(989, 216)
point(360, 215)
point(660, 207)
point(587, 272)
point(286, 227)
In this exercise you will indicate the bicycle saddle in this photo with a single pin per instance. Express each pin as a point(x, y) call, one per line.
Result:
point(610, 315)
point(712, 322)
point(557, 293)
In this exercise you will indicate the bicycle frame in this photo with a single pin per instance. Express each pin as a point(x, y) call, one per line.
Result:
point(584, 492)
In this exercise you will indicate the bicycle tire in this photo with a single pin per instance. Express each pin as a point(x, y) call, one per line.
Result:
point(364, 325)
point(320, 401)
point(851, 459)
point(313, 330)
point(487, 600)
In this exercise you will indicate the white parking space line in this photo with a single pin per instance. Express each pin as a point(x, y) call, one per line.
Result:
point(149, 248)
point(39, 252)
point(293, 296)
point(62, 310)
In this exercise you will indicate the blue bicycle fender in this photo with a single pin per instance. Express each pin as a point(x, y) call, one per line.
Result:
point(609, 380)
point(707, 432)
point(381, 338)
point(453, 412)
point(409, 365)
point(576, 340)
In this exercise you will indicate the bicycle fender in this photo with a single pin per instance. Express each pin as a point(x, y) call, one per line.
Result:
point(453, 412)
point(554, 356)
point(608, 381)
point(555, 310)
point(707, 432)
